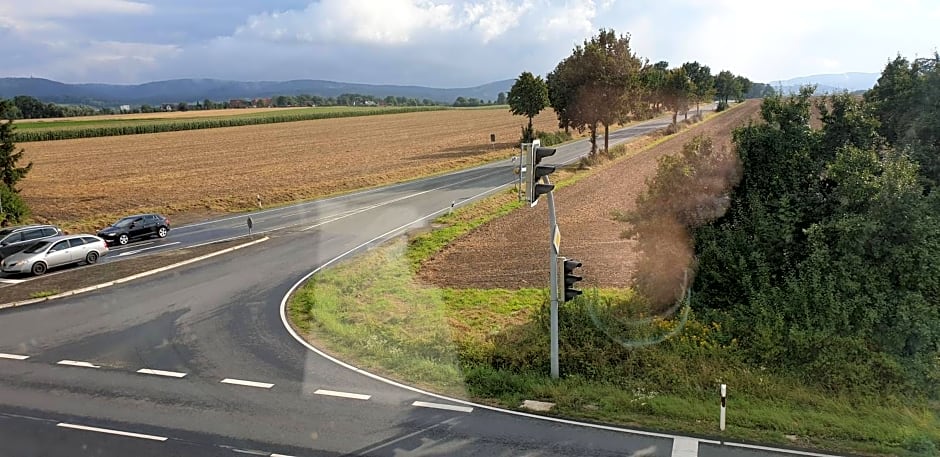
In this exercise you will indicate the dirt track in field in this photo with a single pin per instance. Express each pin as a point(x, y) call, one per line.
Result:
point(512, 251)
point(83, 182)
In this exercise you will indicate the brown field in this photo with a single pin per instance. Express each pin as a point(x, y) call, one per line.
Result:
point(161, 115)
point(81, 183)
point(584, 211)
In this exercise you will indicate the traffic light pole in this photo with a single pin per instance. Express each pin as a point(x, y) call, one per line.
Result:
point(553, 291)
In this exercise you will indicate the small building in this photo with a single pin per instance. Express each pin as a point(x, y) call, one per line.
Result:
point(125, 108)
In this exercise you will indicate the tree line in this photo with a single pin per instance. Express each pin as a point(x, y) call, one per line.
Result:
point(822, 261)
point(604, 82)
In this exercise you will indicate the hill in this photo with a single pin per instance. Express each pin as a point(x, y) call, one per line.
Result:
point(189, 90)
point(829, 83)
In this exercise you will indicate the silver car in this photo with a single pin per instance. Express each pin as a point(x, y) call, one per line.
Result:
point(55, 252)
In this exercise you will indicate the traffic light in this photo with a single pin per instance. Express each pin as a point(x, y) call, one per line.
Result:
point(567, 279)
point(535, 172)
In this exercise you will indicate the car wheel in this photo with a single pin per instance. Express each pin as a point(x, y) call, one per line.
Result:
point(162, 232)
point(39, 268)
point(123, 239)
point(91, 258)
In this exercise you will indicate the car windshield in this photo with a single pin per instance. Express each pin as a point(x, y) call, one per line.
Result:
point(38, 247)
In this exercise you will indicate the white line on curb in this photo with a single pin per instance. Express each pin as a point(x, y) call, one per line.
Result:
point(334, 393)
point(13, 356)
point(169, 374)
point(112, 432)
point(241, 382)
point(425, 404)
point(132, 277)
point(76, 363)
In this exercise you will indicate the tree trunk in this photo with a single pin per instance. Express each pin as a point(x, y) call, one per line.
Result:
point(686, 115)
point(593, 129)
point(675, 115)
point(606, 138)
point(698, 107)
point(531, 133)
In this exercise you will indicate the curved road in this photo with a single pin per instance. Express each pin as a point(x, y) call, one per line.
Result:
point(197, 361)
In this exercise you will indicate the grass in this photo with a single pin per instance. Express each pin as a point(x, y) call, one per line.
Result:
point(491, 346)
point(43, 294)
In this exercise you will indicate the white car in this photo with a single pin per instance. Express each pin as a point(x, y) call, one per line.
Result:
point(55, 252)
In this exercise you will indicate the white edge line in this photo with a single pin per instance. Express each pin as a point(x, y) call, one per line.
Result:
point(424, 404)
point(126, 253)
point(242, 382)
point(111, 432)
point(77, 363)
point(334, 393)
point(281, 455)
point(169, 374)
point(13, 356)
point(131, 278)
point(390, 382)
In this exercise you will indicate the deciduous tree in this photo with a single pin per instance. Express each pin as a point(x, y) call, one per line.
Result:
point(527, 97)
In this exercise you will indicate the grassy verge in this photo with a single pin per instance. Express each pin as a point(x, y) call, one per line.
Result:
point(491, 346)
point(62, 130)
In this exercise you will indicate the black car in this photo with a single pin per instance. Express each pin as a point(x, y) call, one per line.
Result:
point(15, 239)
point(136, 227)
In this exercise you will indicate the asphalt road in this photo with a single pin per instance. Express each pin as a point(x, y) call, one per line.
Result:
point(197, 361)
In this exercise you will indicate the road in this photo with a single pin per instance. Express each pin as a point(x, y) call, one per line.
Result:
point(197, 360)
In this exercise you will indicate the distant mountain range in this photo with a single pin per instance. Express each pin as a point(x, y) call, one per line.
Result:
point(829, 83)
point(190, 90)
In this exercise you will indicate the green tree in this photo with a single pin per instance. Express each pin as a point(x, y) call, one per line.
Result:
point(527, 97)
point(10, 173)
point(501, 98)
point(725, 86)
point(677, 92)
point(741, 86)
point(703, 83)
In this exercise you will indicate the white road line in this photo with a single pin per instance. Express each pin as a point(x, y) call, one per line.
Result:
point(75, 363)
point(131, 246)
point(334, 393)
point(169, 374)
point(424, 404)
point(281, 455)
point(250, 452)
point(112, 432)
point(13, 356)
point(147, 249)
point(684, 447)
point(12, 281)
point(240, 382)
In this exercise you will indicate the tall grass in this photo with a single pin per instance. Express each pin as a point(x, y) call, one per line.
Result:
point(65, 130)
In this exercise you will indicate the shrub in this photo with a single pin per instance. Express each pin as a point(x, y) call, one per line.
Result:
point(14, 209)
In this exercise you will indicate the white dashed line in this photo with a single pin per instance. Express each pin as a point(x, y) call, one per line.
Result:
point(281, 455)
point(250, 452)
point(240, 382)
point(13, 356)
point(334, 393)
point(75, 363)
point(112, 432)
point(169, 374)
point(424, 404)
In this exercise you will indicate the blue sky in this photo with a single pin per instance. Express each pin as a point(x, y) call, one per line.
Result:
point(444, 43)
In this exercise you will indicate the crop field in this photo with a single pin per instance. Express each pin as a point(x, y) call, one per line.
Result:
point(161, 115)
point(97, 126)
point(81, 183)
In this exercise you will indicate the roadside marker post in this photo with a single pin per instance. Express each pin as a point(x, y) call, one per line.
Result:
point(724, 400)
point(250, 225)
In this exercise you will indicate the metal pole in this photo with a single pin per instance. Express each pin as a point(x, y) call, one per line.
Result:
point(553, 292)
point(724, 400)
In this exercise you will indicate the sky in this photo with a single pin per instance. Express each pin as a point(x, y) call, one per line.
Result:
point(445, 43)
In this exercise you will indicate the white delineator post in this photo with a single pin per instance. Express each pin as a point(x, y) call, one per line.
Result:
point(724, 402)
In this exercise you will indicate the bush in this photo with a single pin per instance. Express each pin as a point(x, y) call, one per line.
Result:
point(722, 105)
point(552, 138)
point(14, 209)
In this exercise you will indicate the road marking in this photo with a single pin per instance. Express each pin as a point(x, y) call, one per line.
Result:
point(281, 455)
point(170, 374)
point(75, 363)
point(12, 281)
point(131, 246)
point(240, 382)
point(388, 444)
point(13, 356)
point(250, 452)
point(147, 249)
point(684, 447)
point(111, 432)
point(334, 393)
point(424, 404)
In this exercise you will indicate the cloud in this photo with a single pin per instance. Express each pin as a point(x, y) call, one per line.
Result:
point(48, 9)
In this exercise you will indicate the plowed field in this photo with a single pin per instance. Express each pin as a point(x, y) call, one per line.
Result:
point(512, 251)
point(209, 171)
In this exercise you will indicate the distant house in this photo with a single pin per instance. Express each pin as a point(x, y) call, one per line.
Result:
point(262, 103)
point(125, 108)
point(369, 103)
point(167, 107)
point(236, 103)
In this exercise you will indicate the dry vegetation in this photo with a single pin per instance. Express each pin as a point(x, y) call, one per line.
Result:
point(589, 231)
point(83, 182)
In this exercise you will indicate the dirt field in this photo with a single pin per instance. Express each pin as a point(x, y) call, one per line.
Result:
point(161, 115)
point(511, 252)
point(83, 182)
